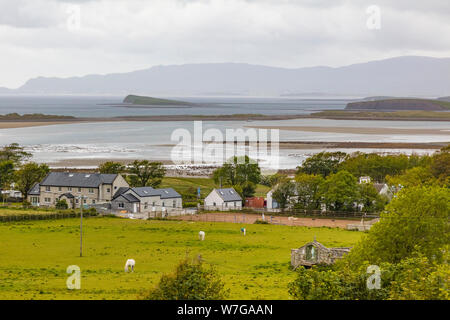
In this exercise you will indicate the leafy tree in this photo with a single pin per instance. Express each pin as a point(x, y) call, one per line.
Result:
point(440, 165)
point(283, 192)
point(238, 170)
point(248, 189)
point(340, 191)
point(145, 173)
point(6, 173)
point(272, 180)
point(412, 177)
point(308, 190)
point(190, 281)
point(370, 199)
point(14, 152)
point(29, 174)
point(323, 163)
point(416, 220)
point(111, 167)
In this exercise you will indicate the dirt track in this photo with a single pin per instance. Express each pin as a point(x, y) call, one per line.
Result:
point(251, 218)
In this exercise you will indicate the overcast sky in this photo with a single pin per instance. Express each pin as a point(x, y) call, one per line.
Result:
point(49, 38)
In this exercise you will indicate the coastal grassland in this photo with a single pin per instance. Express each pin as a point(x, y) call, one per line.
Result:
point(35, 255)
point(183, 185)
point(383, 115)
point(16, 210)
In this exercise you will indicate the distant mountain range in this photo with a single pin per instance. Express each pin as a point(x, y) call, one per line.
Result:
point(402, 76)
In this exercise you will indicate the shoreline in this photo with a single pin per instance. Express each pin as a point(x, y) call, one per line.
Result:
point(48, 120)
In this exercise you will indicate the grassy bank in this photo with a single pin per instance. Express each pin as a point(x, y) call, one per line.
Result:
point(35, 256)
point(380, 115)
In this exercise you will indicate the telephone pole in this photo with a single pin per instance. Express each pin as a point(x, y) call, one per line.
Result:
point(81, 225)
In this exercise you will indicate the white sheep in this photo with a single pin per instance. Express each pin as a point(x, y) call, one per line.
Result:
point(130, 264)
point(201, 235)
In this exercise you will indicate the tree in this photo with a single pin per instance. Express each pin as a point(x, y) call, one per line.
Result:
point(248, 189)
point(111, 167)
point(29, 174)
point(190, 281)
point(145, 173)
point(308, 191)
point(238, 170)
point(440, 165)
point(412, 177)
point(272, 180)
point(416, 220)
point(14, 152)
point(6, 174)
point(323, 163)
point(370, 199)
point(283, 192)
point(340, 191)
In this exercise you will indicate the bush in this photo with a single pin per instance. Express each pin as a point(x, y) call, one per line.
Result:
point(260, 222)
point(61, 205)
point(190, 281)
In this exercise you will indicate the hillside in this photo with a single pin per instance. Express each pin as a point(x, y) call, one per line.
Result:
point(401, 76)
point(142, 100)
point(400, 105)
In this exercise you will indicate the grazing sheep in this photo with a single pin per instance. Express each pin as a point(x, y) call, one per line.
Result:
point(130, 264)
point(243, 231)
point(201, 235)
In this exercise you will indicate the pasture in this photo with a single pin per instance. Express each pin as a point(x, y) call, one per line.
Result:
point(34, 256)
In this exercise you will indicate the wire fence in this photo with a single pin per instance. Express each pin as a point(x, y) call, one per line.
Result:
point(42, 216)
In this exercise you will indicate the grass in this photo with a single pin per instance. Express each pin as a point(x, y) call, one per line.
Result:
point(186, 185)
point(35, 255)
point(15, 210)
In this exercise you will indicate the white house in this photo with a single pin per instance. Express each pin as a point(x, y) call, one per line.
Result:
point(223, 199)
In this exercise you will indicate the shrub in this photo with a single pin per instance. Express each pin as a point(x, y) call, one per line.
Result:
point(61, 205)
point(260, 222)
point(190, 281)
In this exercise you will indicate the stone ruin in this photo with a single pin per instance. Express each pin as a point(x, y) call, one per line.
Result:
point(314, 253)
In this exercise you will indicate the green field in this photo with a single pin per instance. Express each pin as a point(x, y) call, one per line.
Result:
point(34, 256)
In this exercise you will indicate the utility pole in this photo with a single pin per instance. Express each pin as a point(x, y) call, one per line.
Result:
point(81, 226)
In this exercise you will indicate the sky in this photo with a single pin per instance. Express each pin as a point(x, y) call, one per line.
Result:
point(64, 38)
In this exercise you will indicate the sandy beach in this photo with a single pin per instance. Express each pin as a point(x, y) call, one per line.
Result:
point(358, 130)
point(25, 124)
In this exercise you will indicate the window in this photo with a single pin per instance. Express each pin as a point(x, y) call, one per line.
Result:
point(311, 253)
point(48, 200)
point(84, 201)
point(154, 203)
point(121, 205)
point(174, 203)
point(93, 201)
point(59, 188)
point(69, 189)
point(162, 204)
point(108, 190)
point(76, 200)
point(226, 204)
point(145, 205)
point(47, 188)
point(79, 189)
point(91, 190)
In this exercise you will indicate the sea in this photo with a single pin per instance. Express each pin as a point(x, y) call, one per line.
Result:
point(154, 140)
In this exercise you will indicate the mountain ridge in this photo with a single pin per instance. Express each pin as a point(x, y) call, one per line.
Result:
point(406, 76)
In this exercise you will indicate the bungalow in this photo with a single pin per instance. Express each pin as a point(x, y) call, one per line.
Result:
point(92, 188)
point(146, 200)
point(223, 199)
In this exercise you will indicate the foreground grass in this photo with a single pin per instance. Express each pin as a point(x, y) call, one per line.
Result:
point(35, 255)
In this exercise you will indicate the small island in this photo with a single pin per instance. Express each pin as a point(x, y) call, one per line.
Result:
point(151, 101)
point(400, 105)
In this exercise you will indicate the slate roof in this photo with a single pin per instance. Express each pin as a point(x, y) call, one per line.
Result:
point(129, 197)
point(67, 195)
point(75, 179)
point(228, 194)
point(379, 186)
point(167, 193)
point(35, 191)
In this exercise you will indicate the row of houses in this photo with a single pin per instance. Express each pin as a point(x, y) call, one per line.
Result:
point(93, 189)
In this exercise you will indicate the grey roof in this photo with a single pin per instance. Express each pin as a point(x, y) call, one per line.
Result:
point(35, 191)
point(68, 195)
point(76, 179)
point(143, 192)
point(120, 191)
point(228, 194)
point(129, 197)
point(166, 193)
